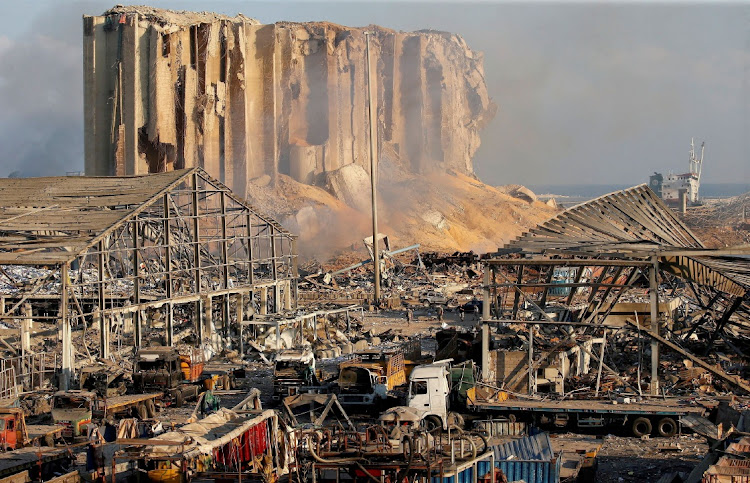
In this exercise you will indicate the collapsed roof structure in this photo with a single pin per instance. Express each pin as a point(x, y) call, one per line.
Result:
point(569, 274)
point(120, 251)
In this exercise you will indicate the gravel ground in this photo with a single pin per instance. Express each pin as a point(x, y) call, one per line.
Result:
point(624, 459)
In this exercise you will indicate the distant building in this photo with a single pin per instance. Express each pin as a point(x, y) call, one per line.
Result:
point(669, 187)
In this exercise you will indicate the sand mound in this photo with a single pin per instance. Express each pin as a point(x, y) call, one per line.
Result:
point(442, 212)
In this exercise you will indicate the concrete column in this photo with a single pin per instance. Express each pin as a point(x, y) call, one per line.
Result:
point(198, 320)
point(240, 312)
point(138, 317)
point(288, 295)
point(208, 317)
point(26, 324)
point(226, 315)
point(485, 352)
point(263, 300)
point(66, 369)
point(67, 359)
point(101, 321)
point(277, 298)
point(486, 297)
point(127, 323)
point(654, 293)
point(485, 326)
point(169, 324)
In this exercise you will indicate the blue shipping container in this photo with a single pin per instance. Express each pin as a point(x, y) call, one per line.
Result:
point(530, 459)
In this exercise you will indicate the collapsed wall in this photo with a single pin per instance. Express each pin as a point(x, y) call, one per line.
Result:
point(167, 90)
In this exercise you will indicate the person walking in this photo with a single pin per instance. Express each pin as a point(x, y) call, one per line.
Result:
point(440, 313)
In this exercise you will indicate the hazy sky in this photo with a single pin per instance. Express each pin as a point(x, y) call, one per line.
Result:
point(588, 93)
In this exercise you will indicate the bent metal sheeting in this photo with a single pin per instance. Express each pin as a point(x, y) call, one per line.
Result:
point(49, 221)
point(211, 432)
point(633, 221)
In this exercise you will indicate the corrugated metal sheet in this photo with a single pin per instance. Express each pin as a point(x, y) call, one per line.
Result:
point(500, 427)
point(530, 448)
point(530, 459)
point(466, 472)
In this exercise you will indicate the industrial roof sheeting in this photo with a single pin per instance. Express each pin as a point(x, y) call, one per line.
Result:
point(530, 448)
point(634, 220)
point(210, 432)
point(729, 276)
point(530, 459)
point(50, 220)
point(635, 223)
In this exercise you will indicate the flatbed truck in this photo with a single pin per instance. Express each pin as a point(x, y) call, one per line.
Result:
point(436, 389)
point(74, 409)
point(42, 464)
point(15, 433)
point(657, 417)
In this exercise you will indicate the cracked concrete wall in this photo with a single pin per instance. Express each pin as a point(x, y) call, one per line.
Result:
point(166, 90)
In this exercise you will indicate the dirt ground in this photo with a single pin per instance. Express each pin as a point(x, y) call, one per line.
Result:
point(623, 459)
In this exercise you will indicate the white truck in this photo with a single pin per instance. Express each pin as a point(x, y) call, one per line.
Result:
point(433, 298)
point(429, 392)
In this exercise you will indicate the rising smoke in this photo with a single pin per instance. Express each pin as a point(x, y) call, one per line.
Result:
point(41, 121)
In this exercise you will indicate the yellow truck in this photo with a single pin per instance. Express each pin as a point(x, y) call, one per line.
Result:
point(366, 379)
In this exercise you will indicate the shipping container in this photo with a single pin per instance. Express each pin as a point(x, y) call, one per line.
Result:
point(530, 459)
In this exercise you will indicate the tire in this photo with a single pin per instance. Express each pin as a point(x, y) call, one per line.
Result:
point(433, 422)
point(179, 399)
point(641, 427)
point(151, 408)
point(455, 419)
point(142, 411)
point(666, 427)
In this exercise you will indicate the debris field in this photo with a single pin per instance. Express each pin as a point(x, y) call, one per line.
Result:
point(156, 324)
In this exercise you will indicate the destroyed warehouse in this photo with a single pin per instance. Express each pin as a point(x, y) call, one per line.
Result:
point(161, 322)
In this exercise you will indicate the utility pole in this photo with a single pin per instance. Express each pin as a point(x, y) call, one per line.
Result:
point(373, 168)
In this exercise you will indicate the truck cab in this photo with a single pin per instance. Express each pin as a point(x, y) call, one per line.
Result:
point(157, 368)
point(72, 410)
point(179, 375)
point(11, 430)
point(293, 370)
point(105, 380)
point(369, 376)
point(429, 391)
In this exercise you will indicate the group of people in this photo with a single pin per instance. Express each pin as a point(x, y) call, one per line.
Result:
point(441, 313)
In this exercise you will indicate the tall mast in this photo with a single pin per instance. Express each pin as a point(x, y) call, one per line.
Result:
point(373, 169)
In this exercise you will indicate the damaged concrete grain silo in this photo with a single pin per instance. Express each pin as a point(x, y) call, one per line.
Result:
point(169, 90)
